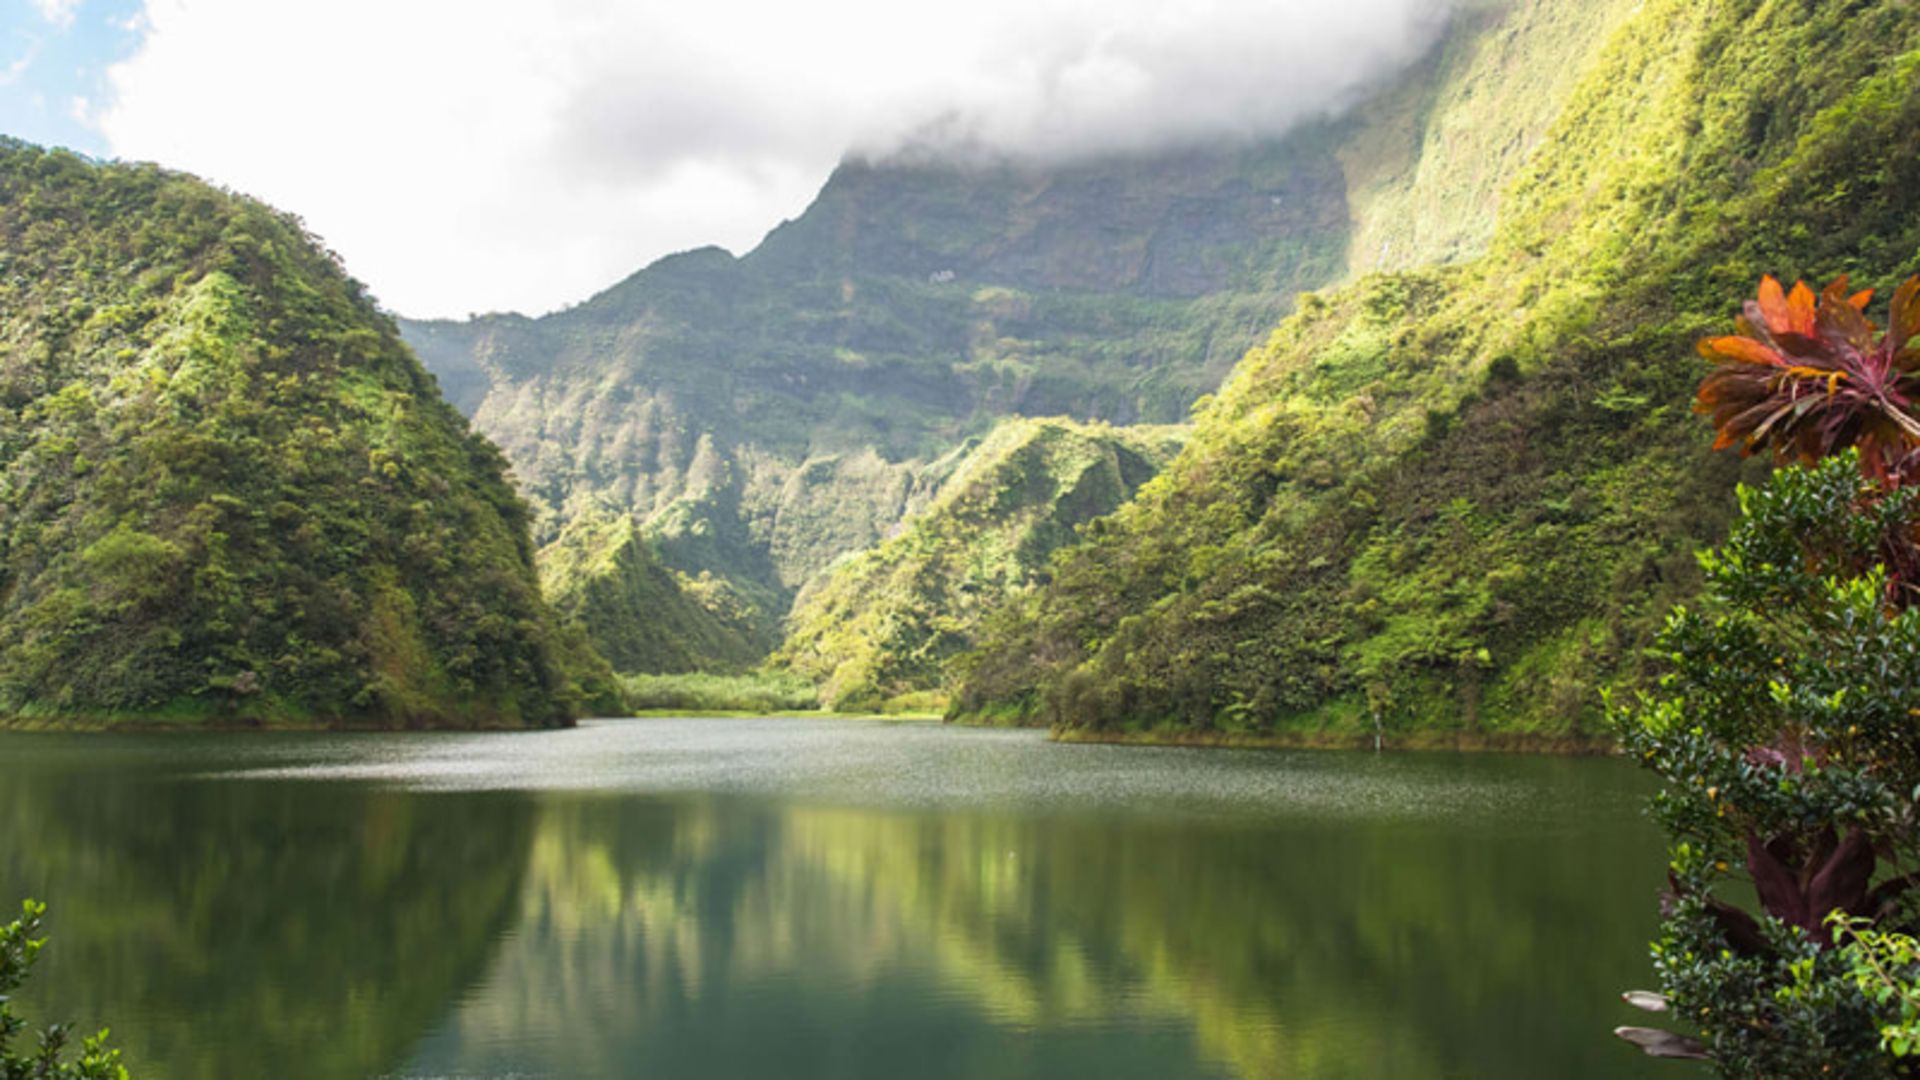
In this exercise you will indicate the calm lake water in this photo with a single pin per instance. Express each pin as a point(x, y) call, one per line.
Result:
point(801, 898)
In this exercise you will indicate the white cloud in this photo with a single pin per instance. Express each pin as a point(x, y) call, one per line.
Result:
point(16, 69)
point(58, 12)
point(474, 156)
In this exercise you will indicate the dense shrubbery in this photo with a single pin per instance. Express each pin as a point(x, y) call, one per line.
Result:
point(228, 492)
point(883, 624)
point(604, 578)
point(47, 1060)
point(1465, 498)
point(1787, 738)
point(762, 416)
point(1786, 730)
point(706, 692)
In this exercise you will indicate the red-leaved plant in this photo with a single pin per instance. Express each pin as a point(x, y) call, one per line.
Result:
point(1806, 377)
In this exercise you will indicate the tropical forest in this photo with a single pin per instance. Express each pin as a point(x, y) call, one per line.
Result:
point(1268, 539)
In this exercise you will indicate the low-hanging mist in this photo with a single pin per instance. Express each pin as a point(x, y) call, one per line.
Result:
point(467, 158)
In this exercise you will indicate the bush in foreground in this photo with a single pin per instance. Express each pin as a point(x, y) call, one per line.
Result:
point(18, 950)
point(1788, 729)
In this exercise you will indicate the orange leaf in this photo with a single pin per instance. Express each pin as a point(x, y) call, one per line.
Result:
point(1773, 305)
point(1904, 319)
point(1742, 349)
point(1800, 305)
point(1861, 299)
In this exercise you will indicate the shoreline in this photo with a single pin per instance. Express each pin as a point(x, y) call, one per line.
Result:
point(1421, 741)
point(148, 725)
point(157, 726)
point(1473, 742)
point(786, 714)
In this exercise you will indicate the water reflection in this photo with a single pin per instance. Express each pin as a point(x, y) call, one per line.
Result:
point(249, 930)
point(786, 906)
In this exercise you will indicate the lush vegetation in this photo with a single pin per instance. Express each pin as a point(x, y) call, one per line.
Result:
point(1786, 730)
point(763, 416)
point(228, 493)
point(47, 1060)
point(605, 579)
point(1787, 741)
point(883, 623)
point(1462, 499)
point(707, 692)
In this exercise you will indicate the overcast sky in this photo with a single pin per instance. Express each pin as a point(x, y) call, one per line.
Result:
point(468, 156)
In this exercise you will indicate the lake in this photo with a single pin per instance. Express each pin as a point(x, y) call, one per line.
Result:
point(817, 898)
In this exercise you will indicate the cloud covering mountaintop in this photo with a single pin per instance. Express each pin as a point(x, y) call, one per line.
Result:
point(475, 156)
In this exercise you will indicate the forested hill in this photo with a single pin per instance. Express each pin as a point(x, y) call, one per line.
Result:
point(228, 492)
point(1464, 496)
point(877, 630)
point(765, 414)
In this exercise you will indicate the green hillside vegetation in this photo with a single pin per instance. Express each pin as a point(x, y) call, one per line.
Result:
point(765, 415)
point(1460, 499)
point(882, 623)
point(604, 578)
point(228, 492)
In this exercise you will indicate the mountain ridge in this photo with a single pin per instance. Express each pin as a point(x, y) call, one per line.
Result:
point(228, 492)
point(1463, 498)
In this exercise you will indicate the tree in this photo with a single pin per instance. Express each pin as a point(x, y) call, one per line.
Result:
point(1786, 729)
point(18, 950)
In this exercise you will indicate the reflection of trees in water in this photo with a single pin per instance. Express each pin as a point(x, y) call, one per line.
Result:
point(258, 929)
point(1324, 949)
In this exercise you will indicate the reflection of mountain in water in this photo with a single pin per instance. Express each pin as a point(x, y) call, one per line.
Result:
point(745, 938)
point(864, 901)
point(256, 930)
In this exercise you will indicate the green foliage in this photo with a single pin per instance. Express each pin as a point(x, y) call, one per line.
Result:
point(1885, 968)
point(1785, 735)
point(606, 580)
point(762, 417)
point(883, 623)
point(228, 493)
point(1452, 499)
point(18, 951)
point(760, 692)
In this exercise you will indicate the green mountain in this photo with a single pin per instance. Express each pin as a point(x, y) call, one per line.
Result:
point(604, 578)
point(228, 492)
point(882, 623)
point(764, 415)
point(1461, 497)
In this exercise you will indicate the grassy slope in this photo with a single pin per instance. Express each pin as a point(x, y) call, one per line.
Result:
point(228, 493)
point(603, 576)
point(882, 623)
point(1462, 498)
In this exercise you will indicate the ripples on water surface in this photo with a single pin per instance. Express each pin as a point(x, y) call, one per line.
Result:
point(806, 898)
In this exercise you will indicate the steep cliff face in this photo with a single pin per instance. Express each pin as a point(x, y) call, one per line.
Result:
point(228, 492)
point(882, 624)
point(1463, 497)
point(764, 415)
